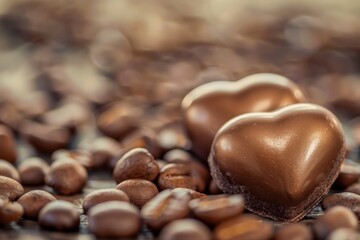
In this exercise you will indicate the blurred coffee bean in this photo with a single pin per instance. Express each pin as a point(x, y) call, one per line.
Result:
point(59, 215)
point(8, 145)
point(33, 171)
point(80, 156)
point(344, 234)
point(103, 195)
point(176, 175)
point(353, 188)
point(119, 120)
point(293, 232)
point(34, 104)
point(189, 229)
point(346, 199)
point(11, 116)
point(140, 191)
point(45, 138)
point(334, 218)
point(173, 136)
point(8, 170)
point(114, 220)
point(166, 207)
point(214, 188)
point(161, 163)
point(66, 177)
point(199, 172)
point(214, 74)
point(34, 201)
point(102, 150)
point(349, 174)
point(137, 163)
point(193, 194)
point(246, 227)
point(10, 189)
point(215, 209)
point(10, 212)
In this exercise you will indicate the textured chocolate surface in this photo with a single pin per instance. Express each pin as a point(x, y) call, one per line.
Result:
point(209, 106)
point(283, 162)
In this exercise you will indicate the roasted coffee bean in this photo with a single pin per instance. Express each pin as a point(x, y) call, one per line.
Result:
point(166, 207)
point(140, 191)
point(137, 163)
point(344, 234)
point(8, 170)
point(59, 216)
point(245, 227)
point(353, 188)
point(81, 156)
point(114, 220)
point(346, 199)
point(8, 145)
point(176, 175)
point(45, 138)
point(34, 201)
point(214, 188)
point(66, 177)
point(188, 229)
point(103, 195)
point(297, 231)
point(193, 194)
point(118, 120)
point(215, 209)
point(199, 172)
point(102, 149)
point(32, 171)
point(334, 218)
point(10, 189)
point(349, 174)
point(10, 212)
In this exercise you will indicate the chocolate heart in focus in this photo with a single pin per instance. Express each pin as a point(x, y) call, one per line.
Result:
point(209, 106)
point(283, 162)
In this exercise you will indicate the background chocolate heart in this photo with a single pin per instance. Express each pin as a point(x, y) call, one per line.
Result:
point(283, 162)
point(209, 106)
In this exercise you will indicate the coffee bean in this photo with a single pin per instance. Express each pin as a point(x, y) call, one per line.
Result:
point(353, 188)
point(214, 209)
point(103, 195)
point(8, 145)
point(45, 138)
point(346, 199)
point(214, 188)
point(10, 212)
point(8, 170)
point(193, 194)
point(114, 220)
point(172, 136)
point(34, 201)
point(66, 177)
point(166, 207)
point(140, 191)
point(176, 175)
point(137, 163)
point(32, 171)
point(10, 189)
point(297, 231)
point(81, 156)
point(344, 234)
point(245, 227)
point(199, 172)
point(349, 174)
point(118, 120)
point(59, 216)
point(188, 229)
point(334, 218)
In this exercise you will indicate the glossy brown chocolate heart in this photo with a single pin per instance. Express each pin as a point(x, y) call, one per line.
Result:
point(209, 106)
point(283, 162)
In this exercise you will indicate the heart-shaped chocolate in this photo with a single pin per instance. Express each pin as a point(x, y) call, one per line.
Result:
point(209, 106)
point(283, 162)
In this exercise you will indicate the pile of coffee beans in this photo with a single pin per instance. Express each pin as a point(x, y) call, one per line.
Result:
point(122, 131)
